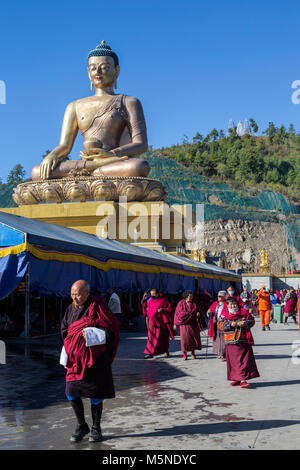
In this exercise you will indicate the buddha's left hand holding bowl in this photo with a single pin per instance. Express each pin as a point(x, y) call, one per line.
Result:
point(99, 153)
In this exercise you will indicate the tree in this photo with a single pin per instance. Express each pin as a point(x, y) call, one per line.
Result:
point(198, 137)
point(214, 134)
point(272, 176)
point(16, 175)
point(185, 139)
point(253, 126)
point(232, 134)
point(233, 160)
point(261, 146)
point(281, 135)
point(291, 131)
point(271, 132)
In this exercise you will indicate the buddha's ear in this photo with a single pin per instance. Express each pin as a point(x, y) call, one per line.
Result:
point(117, 71)
point(92, 86)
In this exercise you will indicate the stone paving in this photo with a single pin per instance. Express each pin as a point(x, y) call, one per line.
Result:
point(161, 403)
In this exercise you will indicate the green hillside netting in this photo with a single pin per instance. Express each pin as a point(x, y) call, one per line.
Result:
point(222, 201)
point(184, 186)
point(293, 232)
point(6, 199)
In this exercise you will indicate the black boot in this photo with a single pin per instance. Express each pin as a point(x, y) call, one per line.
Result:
point(82, 428)
point(96, 435)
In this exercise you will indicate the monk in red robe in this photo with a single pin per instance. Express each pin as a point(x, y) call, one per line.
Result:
point(187, 316)
point(89, 373)
point(160, 326)
point(236, 323)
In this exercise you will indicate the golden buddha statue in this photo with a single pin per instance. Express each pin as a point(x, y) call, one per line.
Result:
point(195, 254)
point(112, 125)
point(264, 261)
point(203, 255)
point(114, 132)
point(199, 255)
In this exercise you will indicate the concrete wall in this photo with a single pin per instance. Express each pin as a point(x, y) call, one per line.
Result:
point(272, 282)
point(255, 282)
point(285, 282)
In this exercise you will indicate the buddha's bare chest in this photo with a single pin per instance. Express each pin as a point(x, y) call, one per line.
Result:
point(88, 112)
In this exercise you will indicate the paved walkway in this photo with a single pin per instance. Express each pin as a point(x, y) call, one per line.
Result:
point(162, 403)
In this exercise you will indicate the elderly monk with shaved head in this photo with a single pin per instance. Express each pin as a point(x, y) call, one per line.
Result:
point(89, 358)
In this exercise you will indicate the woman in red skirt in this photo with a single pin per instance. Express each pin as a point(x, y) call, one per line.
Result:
point(236, 324)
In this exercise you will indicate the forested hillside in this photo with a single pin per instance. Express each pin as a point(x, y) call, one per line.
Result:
point(271, 160)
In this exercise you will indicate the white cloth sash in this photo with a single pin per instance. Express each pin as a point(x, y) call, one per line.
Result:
point(93, 336)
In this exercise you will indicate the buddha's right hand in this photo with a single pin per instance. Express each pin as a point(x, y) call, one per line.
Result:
point(48, 165)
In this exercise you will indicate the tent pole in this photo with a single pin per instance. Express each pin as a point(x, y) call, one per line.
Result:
point(45, 316)
point(60, 310)
point(27, 303)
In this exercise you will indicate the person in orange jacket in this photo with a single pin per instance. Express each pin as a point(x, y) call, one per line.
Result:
point(264, 307)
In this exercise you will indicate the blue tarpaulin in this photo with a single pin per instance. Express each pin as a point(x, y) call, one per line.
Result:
point(58, 256)
point(12, 270)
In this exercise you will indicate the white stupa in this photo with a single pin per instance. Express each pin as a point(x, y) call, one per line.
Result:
point(240, 129)
point(247, 128)
point(231, 124)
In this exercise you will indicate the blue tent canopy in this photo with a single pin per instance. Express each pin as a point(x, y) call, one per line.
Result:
point(58, 256)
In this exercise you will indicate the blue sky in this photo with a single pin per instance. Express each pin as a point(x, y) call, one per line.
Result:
point(193, 65)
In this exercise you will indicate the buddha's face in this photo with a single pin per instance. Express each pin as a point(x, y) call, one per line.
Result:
point(102, 71)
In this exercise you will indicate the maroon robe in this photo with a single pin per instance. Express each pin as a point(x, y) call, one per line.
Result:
point(240, 361)
point(186, 318)
point(160, 326)
point(203, 299)
point(241, 365)
point(89, 372)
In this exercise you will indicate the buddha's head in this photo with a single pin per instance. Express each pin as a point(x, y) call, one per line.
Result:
point(103, 67)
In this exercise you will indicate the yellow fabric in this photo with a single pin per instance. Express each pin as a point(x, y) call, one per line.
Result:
point(104, 266)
